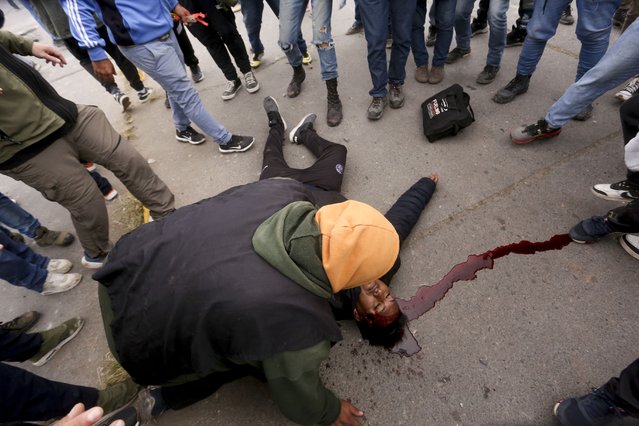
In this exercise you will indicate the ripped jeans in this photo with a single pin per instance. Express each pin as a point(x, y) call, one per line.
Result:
point(291, 15)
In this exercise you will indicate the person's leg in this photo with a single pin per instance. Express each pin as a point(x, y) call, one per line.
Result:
point(85, 61)
point(418, 42)
point(17, 218)
point(541, 27)
point(162, 61)
point(463, 12)
point(615, 67)
point(211, 39)
point(327, 172)
point(482, 11)
point(26, 396)
point(21, 266)
point(103, 183)
point(273, 162)
point(227, 29)
point(624, 390)
point(322, 38)
point(375, 16)
point(291, 15)
point(96, 140)
point(401, 13)
point(252, 11)
point(594, 24)
point(16, 346)
point(445, 17)
point(185, 45)
point(128, 69)
point(498, 30)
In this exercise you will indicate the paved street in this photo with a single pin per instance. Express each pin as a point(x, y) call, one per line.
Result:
point(499, 350)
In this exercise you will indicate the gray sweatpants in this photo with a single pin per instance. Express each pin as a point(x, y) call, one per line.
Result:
point(58, 174)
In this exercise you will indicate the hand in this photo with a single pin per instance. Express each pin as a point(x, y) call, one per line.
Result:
point(348, 415)
point(183, 13)
point(79, 417)
point(48, 53)
point(104, 70)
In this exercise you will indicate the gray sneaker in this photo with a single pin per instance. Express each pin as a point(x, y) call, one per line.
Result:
point(252, 85)
point(232, 86)
point(305, 123)
point(376, 108)
point(272, 109)
point(395, 95)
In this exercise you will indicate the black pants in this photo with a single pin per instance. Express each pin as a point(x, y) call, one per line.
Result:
point(482, 11)
point(220, 35)
point(326, 173)
point(185, 45)
point(128, 69)
point(25, 396)
point(629, 113)
point(624, 390)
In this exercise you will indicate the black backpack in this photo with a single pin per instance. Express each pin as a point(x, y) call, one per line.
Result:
point(446, 113)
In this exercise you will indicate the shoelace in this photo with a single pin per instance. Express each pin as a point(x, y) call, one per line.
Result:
point(535, 129)
point(633, 86)
point(9, 325)
point(250, 79)
point(377, 102)
point(230, 86)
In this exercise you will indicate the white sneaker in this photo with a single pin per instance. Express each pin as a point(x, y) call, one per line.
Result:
point(111, 195)
point(59, 266)
point(59, 283)
point(93, 263)
point(630, 243)
point(630, 89)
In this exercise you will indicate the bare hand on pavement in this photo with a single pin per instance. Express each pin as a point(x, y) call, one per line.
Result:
point(349, 415)
point(78, 416)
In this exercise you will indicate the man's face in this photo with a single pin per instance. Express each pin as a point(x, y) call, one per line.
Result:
point(375, 300)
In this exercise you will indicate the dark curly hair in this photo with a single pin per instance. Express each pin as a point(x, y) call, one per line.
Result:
point(382, 331)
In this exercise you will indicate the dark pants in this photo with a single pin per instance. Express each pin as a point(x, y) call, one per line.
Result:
point(25, 396)
point(482, 11)
point(375, 17)
point(185, 45)
point(624, 390)
point(128, 69)
point(629, 113)
point(21, 266)
point(326, 173)
point(220, 35)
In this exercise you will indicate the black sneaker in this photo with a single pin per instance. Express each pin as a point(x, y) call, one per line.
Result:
point(621, 191)
point(22, 323)
point(196, 74)
point(591, 230)
point(272, 109)
point(516, 36)
point(355, 28)
point(592, 409)
point(305, 123)
point(517, 86)
point(395, 95)
point(456, 54)
point(538, 130)
point(190, 135)
point(477, 27)
point(566, 16)
point(619, 17)
point(488, 75)
point(237, 144)
point(232, 86)
point(432, 36)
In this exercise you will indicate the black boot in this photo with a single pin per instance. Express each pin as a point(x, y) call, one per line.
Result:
point(295, 86)
point(334, 111)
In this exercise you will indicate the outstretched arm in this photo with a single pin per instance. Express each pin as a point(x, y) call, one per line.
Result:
point(405, 213)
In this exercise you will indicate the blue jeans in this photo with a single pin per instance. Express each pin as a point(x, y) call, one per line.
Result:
point(443, 12)
point(291, 15)
point(498, 27)
point(17, 218)
point(163, 61)
point(619, 64)
point(252, 15)
point(21, 266)
point(594, 22)
point(375, 17)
